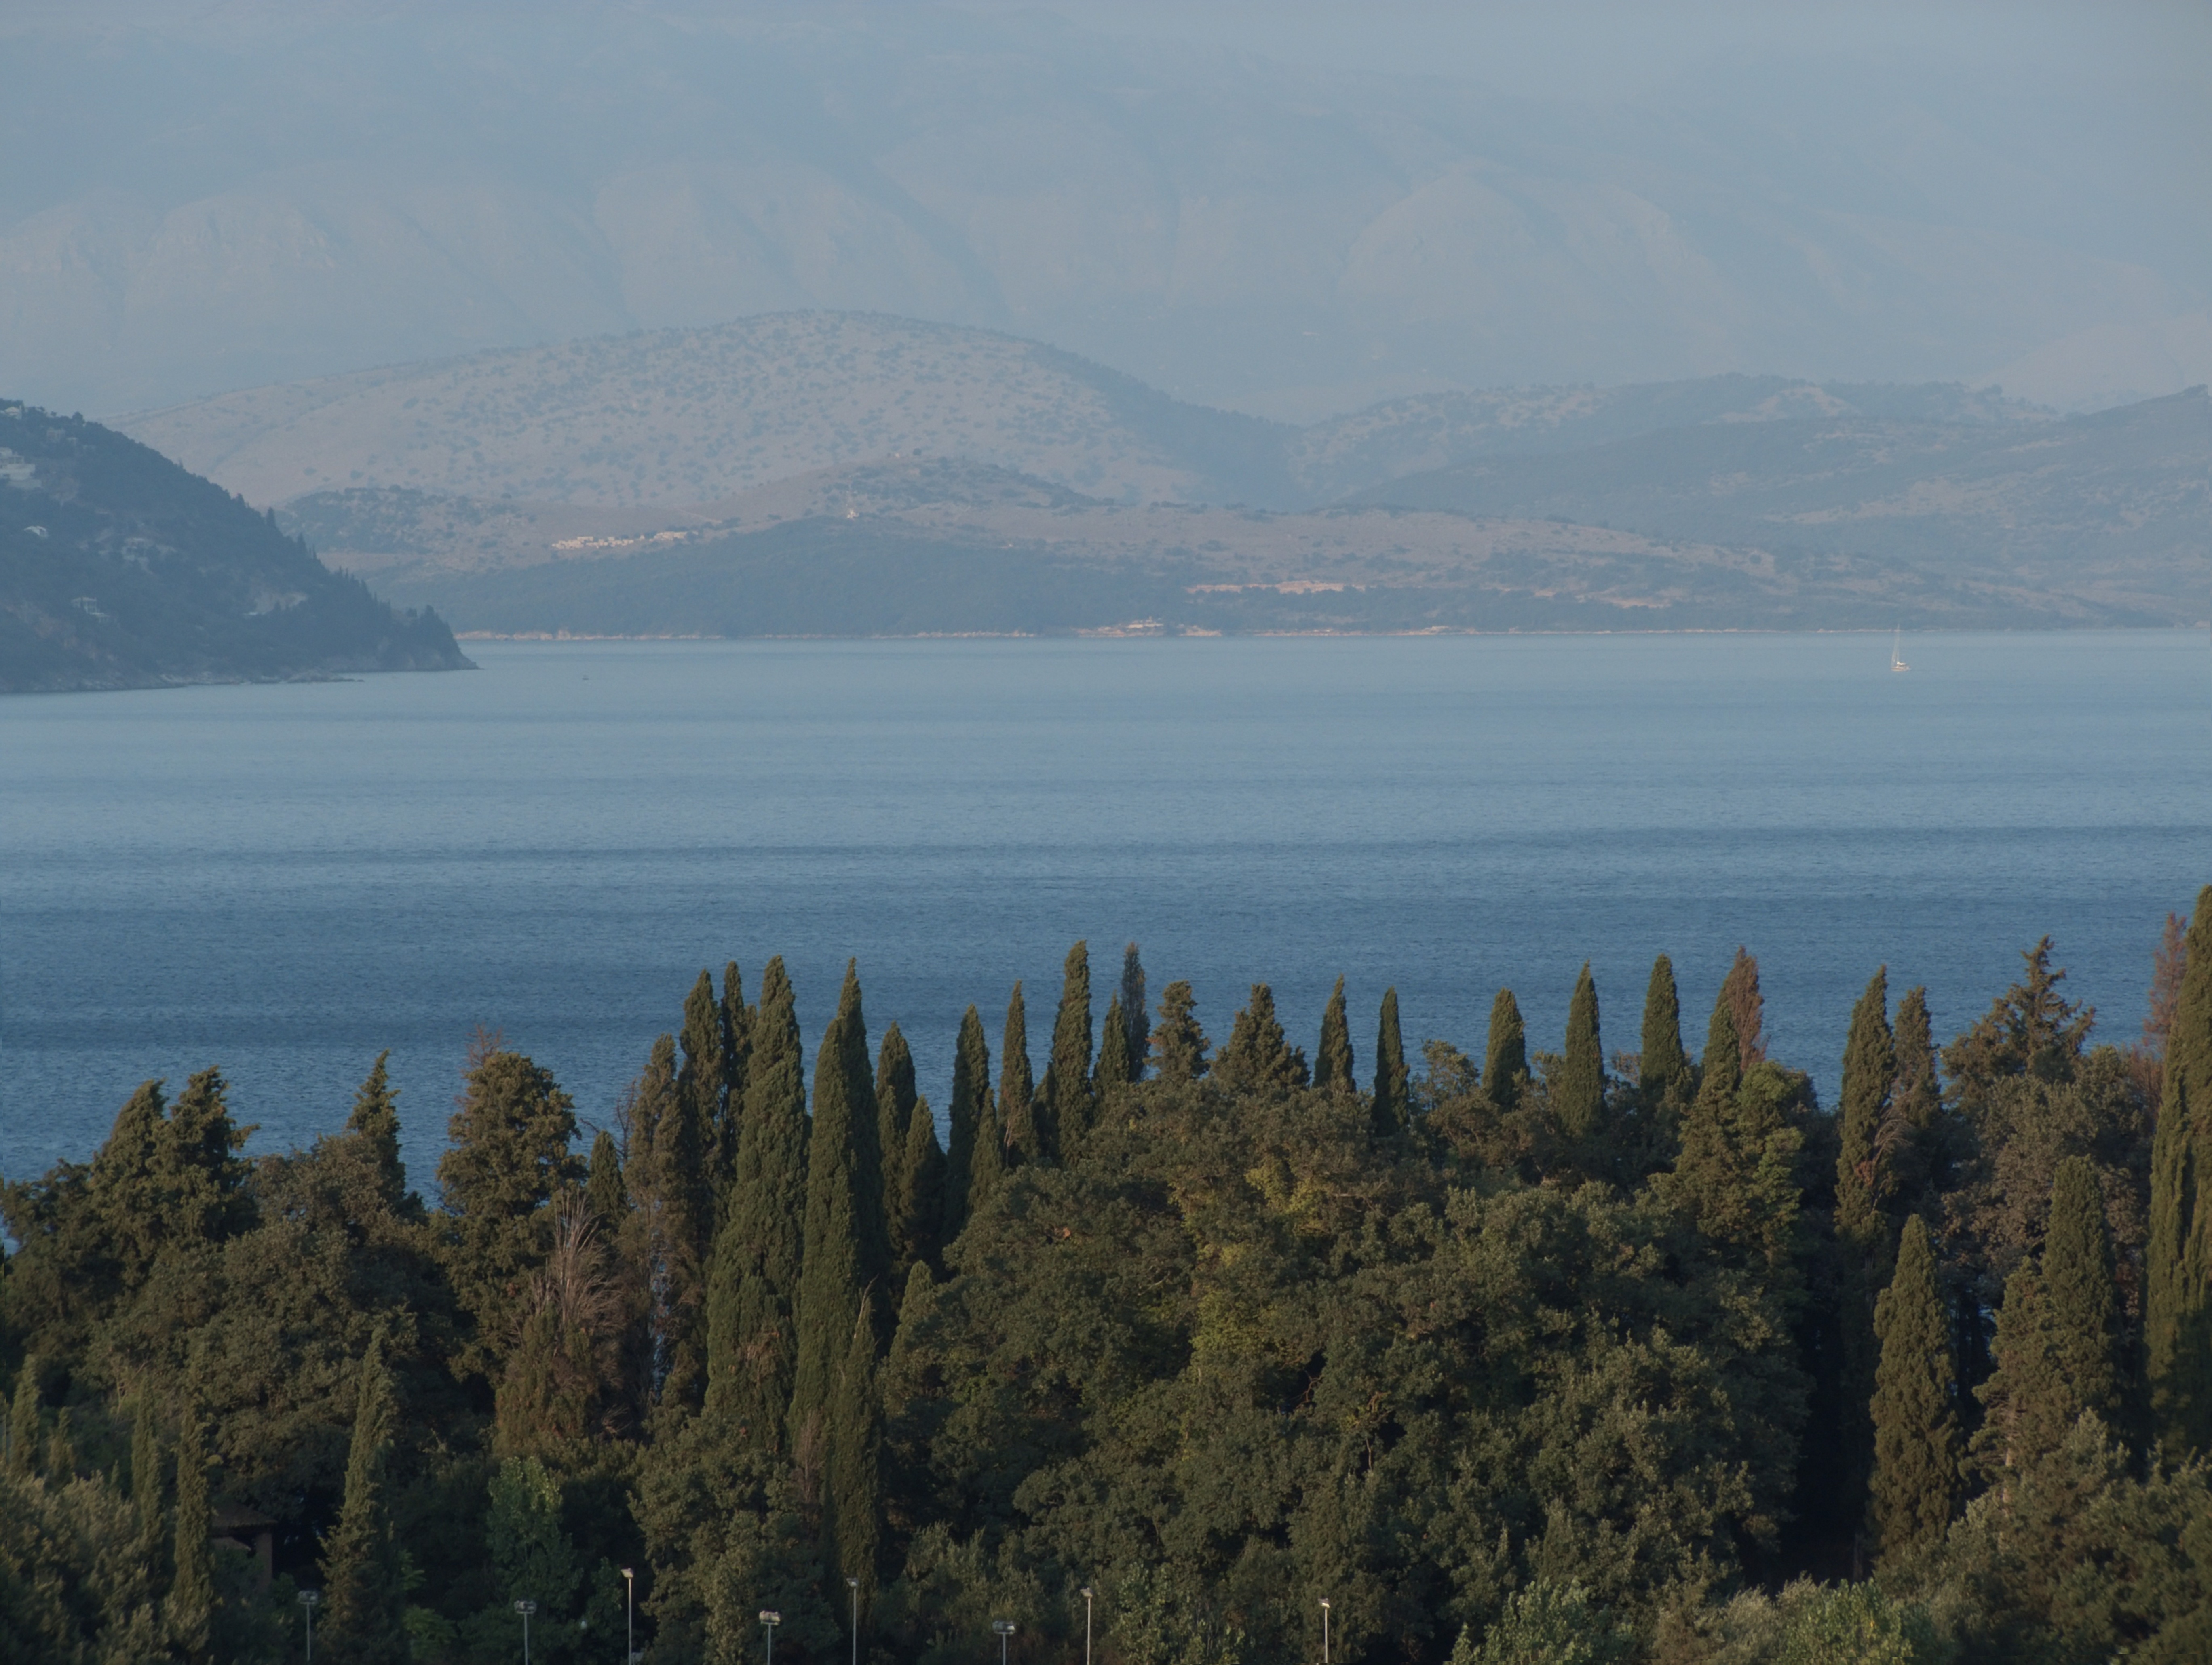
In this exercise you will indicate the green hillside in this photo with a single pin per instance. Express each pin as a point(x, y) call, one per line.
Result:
point(119, 570)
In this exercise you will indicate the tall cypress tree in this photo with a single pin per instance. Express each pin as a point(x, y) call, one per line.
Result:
point(1747, 1008)
point(1861, 1230)
point(375, 1121)
point(769, 1198)
point(702, 1082)
point(1115, 1068)
point(1179, 1041)
point(364, 1578)
point(1578, 1105)
point(1065, 1105)
point(1916, 1141)
point(1258, 1056)
point(919, 1205)
point(1333, 1060)
point(2178, 1268)
point(1662, 1070)
point(1505, 1058)
point(189, 1614)
point(1393, 1108)
point(844, 1210)
point(894, 1102)
point(604, 1196)
point(1720, 1071)
point(1915, 1486)
point(736, 1038)
point(1017, 1119)
point(1136, 1018)
point(147, 1491)
point(972, 1140)
point(853, 1518)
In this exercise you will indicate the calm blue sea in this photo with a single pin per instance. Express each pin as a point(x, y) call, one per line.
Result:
point(284, 881)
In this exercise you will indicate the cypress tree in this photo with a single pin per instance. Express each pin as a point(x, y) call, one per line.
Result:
point(1332, 1060)
point(769, 1201)
point(364, 1579)
point(2178, 1257)
point(894, 1102)
point(844, 1209)
point(23, 1419)
point(726, 1336)
point(972, 1141)
point(736, 1076)
point(605, 1197)
point(1869, 1069)
point(1721, 1069)
point(1505, 1058)
point(1913, 1141)
point(61, 1450)
point(1180, 1043)
point(855, 1515)
point(1393, 1105)
point(189, 1614)
point(204, 1181)
point(1746, 1006)
point(1916, 1484)
point(1018, 1126)
point(1578, 1106)
point(1064, 1107)
point(1258, 1056)
point(126, 1187)
point(920, 1202)
point(1135, 1016)
point(146, 1487)
point(1115, 1068)
point(702, 1092)
point(1663, 1069)
point(375, 1121)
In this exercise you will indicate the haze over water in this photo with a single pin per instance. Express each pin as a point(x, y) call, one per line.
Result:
point(283, 881)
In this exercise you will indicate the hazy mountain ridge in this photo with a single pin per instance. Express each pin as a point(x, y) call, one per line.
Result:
point(119, 569)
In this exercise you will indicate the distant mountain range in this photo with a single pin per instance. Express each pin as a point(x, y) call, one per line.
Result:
point(120, 569)
point(714, 481)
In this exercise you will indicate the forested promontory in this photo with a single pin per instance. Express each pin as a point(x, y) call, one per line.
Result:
point(120, 569)
point(1171, 1346)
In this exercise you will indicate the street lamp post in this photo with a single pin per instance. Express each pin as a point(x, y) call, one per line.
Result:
point(1086, 1625)
point(853, 1585)
point(1324, 1631)
point(307, 1599)
point(770, 1619)
point(1004, 1628)
point(629, 1615)
point(526, 1609)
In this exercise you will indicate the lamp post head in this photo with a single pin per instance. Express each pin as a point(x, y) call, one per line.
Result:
point(526, 1609)
point(628, 1572)
point(771, 1619)
point(1324, 1604)
point(1085, 1592)
point(309, 1597)
point(852, 1584)
point(1002, 1627)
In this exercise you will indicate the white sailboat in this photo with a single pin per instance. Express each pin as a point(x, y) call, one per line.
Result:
point(1896, 640)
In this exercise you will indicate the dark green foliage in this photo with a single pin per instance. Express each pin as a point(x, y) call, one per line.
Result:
point(852, 1518)
point(188, 1614)
point(1663, 1069)
point(604, 1193)
point(1258, 1056)
point(1505, 1055)
point(1869, 1070)
point(376, 1120)
point(1136, 1016)
point(507, 1158)
point(1579, 1091)
point(23, 1419)
point(703, 1041)
point(1747, 1008)
point(737, 1077)
point(1116, 1066)
point(845, 1252)
point(972, 1139)
point(1180, 1044)
point(2178, 1307)
point(1391, 1107)
point(894, 1102)
point(1022, 1133)
point(919, 1205)
point(147, 1489)
point(769, 1199)
point(364, 1580)
point(1920, 1145)
point(1549, 1624)
point(1064, 1104)
point(1332, 1060)
point(1915, 1486)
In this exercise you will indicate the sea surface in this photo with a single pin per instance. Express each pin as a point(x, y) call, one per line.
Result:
point(285, 880)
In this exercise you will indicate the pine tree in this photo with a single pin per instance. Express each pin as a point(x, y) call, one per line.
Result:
point(1579, 1102)
point(1179, 1043)
point(604, 1193)
point(1746, 1006)
point(2178, 1258)
point(2057, 1333)
point(1018, 1120)
point(1333, 1060)
point(972, 1141)
point(1258, 1056)
point(1916, 1485)
point(1065, 1108)
point(919, 1204)
point(853, 1518)
point(894, 1102)
point(189, 1614)
point(1392, 1110)
point(1662, 1070)
point(147, 1490)
point(844, 1209)
point(206, 1196)
point(364, 1580)
point(1135, 1016)
point(375, 1121)
point(1115, 1068)
point(1505, 1058)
